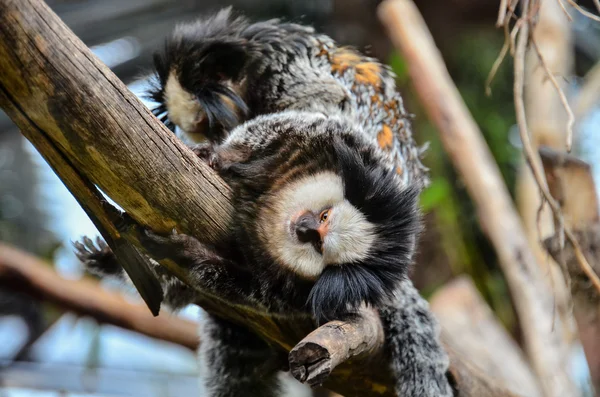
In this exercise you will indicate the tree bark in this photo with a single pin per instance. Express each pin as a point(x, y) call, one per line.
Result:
point(471, 329)
point(464, 143)
point(23, 273)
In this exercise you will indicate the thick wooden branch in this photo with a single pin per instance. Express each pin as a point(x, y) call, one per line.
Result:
point(470, 328)
point(23, 273)
point(52, 81)
point(313, 359)
point(467, 149)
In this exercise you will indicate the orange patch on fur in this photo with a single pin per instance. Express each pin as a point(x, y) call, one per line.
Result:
point(399, 170)
point(368, 73)
point(385, 138)
point(342, 59)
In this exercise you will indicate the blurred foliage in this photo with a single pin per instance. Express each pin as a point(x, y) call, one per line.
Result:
point(464, 246)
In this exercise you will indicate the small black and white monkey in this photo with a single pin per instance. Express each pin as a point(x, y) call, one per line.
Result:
point(316, 145)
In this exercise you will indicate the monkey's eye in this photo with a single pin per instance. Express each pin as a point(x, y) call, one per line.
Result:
point(324, 216)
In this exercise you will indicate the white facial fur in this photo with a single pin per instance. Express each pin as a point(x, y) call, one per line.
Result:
point(183, 108)
point(349, 238)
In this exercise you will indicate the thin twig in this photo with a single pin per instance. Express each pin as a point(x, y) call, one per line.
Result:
point(582, 260)
point(583, 11)
point(560, 92)
point(562, 6)
point(498, 61)
point(502, 13)
point(519, 67)
point(513, 35)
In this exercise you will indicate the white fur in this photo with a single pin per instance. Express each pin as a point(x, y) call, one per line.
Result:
point(184, 110)
point(349, 238)
point(350, 235)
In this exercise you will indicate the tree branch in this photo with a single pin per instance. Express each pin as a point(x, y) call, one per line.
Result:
point(332, 344)
point(328, 346)
point(471, 156)
point(470, 328)
point(21, 272)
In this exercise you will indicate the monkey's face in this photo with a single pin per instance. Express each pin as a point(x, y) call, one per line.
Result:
point(310, 225)
point(352, 230)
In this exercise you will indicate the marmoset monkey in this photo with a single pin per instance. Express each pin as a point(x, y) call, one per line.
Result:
point(316, 145)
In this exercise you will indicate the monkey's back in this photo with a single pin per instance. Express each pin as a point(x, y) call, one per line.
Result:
point(379, 107)
point(231, 70)
point(315, 73)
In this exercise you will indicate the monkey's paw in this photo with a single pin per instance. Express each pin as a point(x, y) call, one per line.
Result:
point(175, 246)
point(97, 257)
point(206, 152)
point(310, 363)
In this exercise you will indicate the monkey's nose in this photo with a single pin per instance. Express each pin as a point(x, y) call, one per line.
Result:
point(306, 229)
point(307, 235)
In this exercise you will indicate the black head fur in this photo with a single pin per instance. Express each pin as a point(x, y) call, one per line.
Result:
point(207, 56)
point(394, 211)
point(290, 145)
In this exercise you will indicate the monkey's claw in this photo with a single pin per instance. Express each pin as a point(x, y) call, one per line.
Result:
point(97, 257)
point(206, 152)
point(310, 363)
point(89, 253)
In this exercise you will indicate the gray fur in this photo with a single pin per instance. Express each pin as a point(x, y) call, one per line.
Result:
point(412, 342)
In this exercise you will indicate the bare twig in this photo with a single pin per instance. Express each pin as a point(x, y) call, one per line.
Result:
point(502, 13)
point(560, 92)
point(530, 156)
point(505, 15)
point(498, 61)
point(583, 11)
point(513, 36)
point(565, 11)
